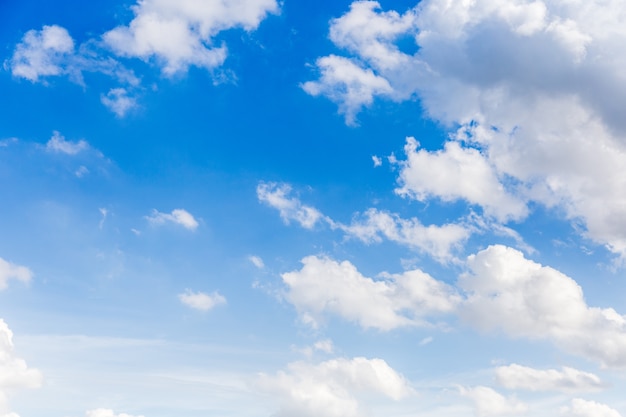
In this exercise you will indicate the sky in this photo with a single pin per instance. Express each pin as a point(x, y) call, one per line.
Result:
point(243, 208)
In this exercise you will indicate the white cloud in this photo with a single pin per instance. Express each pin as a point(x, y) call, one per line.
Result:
point(290, 208)
point(201, 301)
point(331, 388)
point(347, 84)
point(14, 373)
point(377, 161)
point(119, 101)
point(584, 408)
point(456, 173)
point(10, 271)
point(180, 34)
point(536, 87)
point(105, 412)
point(256, 261)
point(324, 286)
point(488, 402)
point(41, 53)
point(437, 241)
point(57, 143)
point(566, 380)
point(177, 216)
point(525, 299)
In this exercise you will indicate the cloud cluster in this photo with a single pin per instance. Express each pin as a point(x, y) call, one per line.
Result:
point(534, 88)
point(14, 373)
point(324, 286)
point(584, 408)
point(180, 34)
point(330, 388)
point(488, 402)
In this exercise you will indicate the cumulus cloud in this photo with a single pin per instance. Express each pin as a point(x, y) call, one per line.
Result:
point(256, 261)
point(57, 143)
point(179, 34)
point(436, 241)
point(505, 291)
point(105, 412)
point(201, 301)
point(535, 86)
point(324, 286)
point(180, 217)
point(10, 271)
point(566, 380)
point(14, 373)
point(331, 388)
point(456, 173)
point(42, 53)
point(584, 408)
point(290, 208)
point(488, 402)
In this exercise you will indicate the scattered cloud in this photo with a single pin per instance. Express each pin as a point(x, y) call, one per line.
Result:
point(119, 101)
point(14, 372)
point(180, 34)
point(57, 143)
point(488, 402)
point(41, 53)
point(584, 408)
point(201, 301)
point(506, 291)
point(566, 380)
point(290, 208)
point(324, 286)
point(256, 261)
point(377, 161)
point(331, 388)
point(180, 217)
point(10, 271)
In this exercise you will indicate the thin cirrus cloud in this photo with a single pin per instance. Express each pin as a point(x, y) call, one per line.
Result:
point(201, 301)
point(179, 217)
point(534, 87)
point(10, 271)
point(105, 412)
point(331, 388)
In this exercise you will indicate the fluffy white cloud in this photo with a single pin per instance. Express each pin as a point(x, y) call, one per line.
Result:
point(516, 376)
point(436, 241)
point(330, 388)
point(41, 53)
point(119, 101)
point(536, 87)
point(14, 373)
point(456, 173)
point(10, 271)
point(324, 286)
point(584, 408)
point(57, 143)
point(177, 216)
point(488, 402)
point(506, 291)
point(201, 301)
point(180, 33)
point(290, 208)
point(105, 412)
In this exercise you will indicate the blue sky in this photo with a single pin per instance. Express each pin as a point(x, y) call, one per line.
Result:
point(260, 208)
